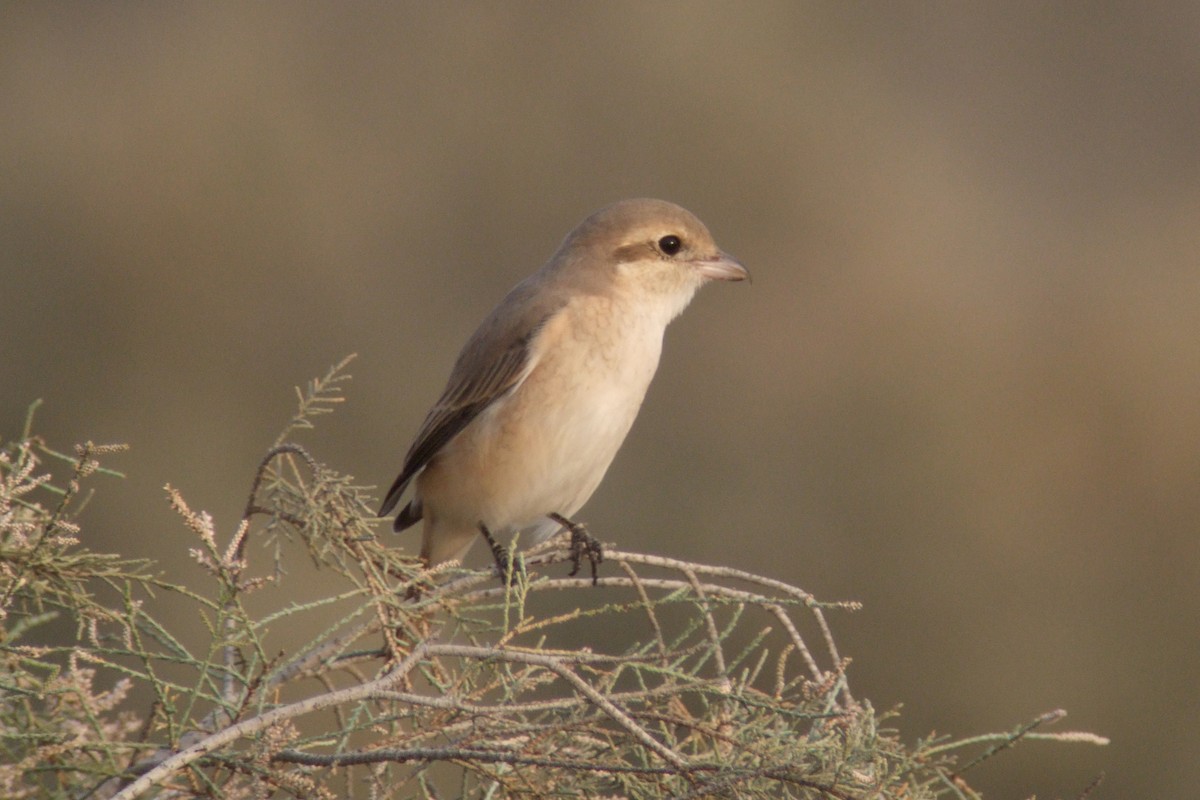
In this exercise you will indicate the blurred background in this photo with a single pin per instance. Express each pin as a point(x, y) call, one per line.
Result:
point(964, 387)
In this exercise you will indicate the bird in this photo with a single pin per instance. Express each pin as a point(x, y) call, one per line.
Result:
point(542, 395)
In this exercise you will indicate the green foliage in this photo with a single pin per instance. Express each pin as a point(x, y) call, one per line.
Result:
point(705, 682)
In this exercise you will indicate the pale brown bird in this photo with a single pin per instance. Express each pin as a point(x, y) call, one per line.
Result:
point(544, 392)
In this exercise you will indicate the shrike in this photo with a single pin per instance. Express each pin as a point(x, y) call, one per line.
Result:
point(546, 389)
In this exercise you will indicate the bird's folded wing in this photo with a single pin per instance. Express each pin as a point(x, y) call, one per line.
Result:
point(489, 368)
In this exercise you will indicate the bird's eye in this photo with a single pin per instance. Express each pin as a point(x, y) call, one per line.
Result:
point(670, 245)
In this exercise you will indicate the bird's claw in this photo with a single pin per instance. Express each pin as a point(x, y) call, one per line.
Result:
point(509, 565)
point(582, 544)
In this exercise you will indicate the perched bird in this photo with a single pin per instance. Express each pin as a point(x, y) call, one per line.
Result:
point(544, 392)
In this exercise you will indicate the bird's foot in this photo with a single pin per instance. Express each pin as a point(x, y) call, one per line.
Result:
point(509, 565)
point(582, 544)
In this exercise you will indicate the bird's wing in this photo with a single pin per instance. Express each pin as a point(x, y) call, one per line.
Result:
point(494, 362)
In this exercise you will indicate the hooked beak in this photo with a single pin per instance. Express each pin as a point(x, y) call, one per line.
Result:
point(723, 267)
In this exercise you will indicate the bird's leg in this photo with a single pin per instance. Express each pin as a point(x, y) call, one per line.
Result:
point(505, 562)
point(582, 544)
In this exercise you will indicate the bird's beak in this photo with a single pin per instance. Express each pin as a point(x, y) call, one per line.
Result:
point(723, 267)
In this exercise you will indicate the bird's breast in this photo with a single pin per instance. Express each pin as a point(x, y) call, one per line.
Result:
point(546, 445)
point(593, 366)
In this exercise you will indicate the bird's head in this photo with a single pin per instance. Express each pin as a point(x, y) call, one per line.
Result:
point(648, 247)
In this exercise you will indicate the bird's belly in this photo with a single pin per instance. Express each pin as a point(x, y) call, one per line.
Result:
point(557, 456)
point(545, 447)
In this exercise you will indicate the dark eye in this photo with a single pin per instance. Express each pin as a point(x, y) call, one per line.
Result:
point(670, 245)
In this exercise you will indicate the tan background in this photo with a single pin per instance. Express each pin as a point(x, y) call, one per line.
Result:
point(964, 387)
